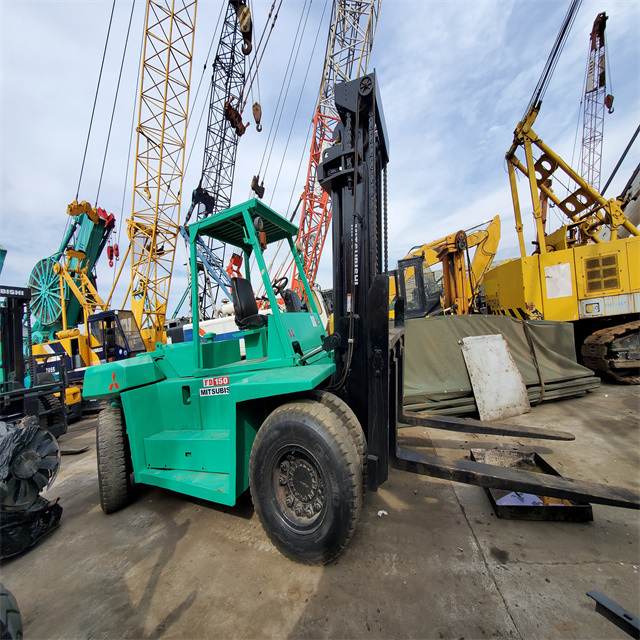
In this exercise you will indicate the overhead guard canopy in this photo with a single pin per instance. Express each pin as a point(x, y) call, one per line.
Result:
point(228, 225)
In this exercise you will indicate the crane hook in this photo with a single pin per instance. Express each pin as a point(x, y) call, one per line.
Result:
point(608, 102)
point(257, 115)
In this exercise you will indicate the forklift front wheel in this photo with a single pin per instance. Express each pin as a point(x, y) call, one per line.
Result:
point(306, 482)
point(114, 460)
point(345, 414)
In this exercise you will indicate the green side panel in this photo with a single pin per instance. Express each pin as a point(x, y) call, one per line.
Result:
point(206, 486)
point(143, 419)
point(112, 378)
point(171, 405)
point(304, 328)
point(176, 360)
point(250, 417)
point(183, 441)
point(257, 344)
point(277, 382)
point(200, 450)
point(217, 354)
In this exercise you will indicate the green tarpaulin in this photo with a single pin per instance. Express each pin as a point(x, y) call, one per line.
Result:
point(435, 374)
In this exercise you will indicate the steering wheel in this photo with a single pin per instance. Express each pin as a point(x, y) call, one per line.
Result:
point(280, 285)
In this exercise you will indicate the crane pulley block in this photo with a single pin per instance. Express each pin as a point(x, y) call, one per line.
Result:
point(257, 115)
point(246, 24)
point(235, 118)
point(257, 187)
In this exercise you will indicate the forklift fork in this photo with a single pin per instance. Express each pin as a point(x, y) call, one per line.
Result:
point(456, 470)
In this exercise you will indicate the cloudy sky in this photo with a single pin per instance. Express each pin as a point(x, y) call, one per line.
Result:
point(455, 78)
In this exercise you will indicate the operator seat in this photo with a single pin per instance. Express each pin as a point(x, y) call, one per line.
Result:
point(245, 305)
point(292, 302)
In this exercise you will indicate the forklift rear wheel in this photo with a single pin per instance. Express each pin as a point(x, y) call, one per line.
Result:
point(306, 481)
point(114, 460)
point(345, 414)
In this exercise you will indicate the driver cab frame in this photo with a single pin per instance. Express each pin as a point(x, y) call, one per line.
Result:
point(115, 335)
point(283, 337)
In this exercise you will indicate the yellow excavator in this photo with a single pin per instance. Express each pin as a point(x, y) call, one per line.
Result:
point(462, 276)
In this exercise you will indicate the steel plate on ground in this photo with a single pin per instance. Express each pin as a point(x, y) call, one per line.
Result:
point(527, 506)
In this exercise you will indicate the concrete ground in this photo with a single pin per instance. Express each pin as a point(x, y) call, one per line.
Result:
point(428, 560)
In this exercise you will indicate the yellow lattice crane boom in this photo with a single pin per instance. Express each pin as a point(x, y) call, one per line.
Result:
point(161, 134)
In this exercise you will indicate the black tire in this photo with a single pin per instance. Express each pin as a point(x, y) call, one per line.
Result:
point(114, 460)
point(74, 411)
point(53, 421)
point(46, 403)
point(306, 482)
point(345, 414)
point(10, 620)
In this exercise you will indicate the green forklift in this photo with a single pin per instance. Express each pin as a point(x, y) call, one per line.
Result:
point(305, 420)
point(201, 420)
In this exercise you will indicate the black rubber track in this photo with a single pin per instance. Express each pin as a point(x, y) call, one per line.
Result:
point(312, 432)
point(114, 463)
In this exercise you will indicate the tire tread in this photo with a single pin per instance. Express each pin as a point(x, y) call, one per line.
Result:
point(344, 413)
point(10, 618)
point(113, 460)
point(348, 457)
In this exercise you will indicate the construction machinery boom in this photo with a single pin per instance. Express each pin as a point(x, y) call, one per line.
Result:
point(574, 274)
point(161, 132)
point(462, 276)
point(596, 99)
point(56, 281)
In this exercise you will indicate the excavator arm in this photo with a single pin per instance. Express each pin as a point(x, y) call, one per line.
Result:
point(462, 277)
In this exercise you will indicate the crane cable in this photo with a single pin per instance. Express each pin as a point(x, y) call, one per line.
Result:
point(205, 102)
point(95, 101)
point(552, 60)
point(259, 100)
point(296, 110)
point(306, 77)
point(280, 104)
point(257, 60)
point(273, 4)
point(305, 147)
point(115, 101)
point(126, 173)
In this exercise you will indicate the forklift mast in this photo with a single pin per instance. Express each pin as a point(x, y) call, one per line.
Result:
point(351, 171)
point(12, 313)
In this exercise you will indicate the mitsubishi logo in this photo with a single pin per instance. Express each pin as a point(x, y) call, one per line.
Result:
point(114, 385)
